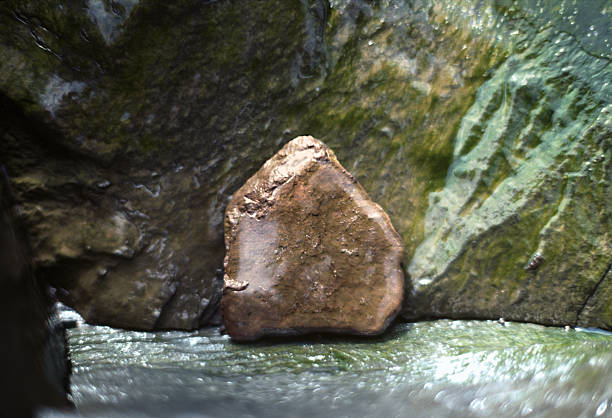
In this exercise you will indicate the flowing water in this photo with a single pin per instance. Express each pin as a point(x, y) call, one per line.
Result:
point(439, 368)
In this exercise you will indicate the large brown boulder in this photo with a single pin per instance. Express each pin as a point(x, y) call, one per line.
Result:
point(308, 251)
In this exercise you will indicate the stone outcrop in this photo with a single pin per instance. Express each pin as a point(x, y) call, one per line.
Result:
point(127, 125)
point(521, 228)
point(33, 354)
point(308, 251)
point(124, 142)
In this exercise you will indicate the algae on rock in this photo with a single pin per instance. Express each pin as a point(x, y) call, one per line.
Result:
point(130, 124)
point(135, 142)
point(531, 173)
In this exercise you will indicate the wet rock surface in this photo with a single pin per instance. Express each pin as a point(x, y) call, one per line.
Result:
point(123, 142)
point(483, 128)
point(308, 251)
point(519, 229)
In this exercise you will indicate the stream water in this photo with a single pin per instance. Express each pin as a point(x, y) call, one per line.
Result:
point(439, 368)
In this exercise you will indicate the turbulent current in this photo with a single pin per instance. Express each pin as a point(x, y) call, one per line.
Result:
point(440, 368)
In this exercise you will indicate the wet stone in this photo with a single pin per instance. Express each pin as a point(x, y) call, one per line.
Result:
point(308, 251)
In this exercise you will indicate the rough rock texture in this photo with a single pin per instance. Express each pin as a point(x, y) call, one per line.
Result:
point(531, 174)
point(33, 354)
point(126, 127)
point(308, 251)
point(478, 125)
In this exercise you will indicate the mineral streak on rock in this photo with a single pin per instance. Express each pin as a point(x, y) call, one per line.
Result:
point(534, 262)
point(308, 251)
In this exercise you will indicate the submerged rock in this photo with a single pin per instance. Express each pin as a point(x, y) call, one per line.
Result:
point(308, 251)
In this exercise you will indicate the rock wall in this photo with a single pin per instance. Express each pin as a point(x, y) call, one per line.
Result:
point(125, 141)
point(33, 353)
point(482, 128)
point(531, 170)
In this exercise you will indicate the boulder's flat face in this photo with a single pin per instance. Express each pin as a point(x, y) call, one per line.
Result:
point(308, 251)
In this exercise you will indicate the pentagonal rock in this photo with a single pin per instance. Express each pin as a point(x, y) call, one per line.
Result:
point(308, 251)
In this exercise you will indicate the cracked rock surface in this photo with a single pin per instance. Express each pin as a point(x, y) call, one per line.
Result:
point(308, 251)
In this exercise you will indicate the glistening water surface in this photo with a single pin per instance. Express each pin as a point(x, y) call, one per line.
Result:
point(439, 368)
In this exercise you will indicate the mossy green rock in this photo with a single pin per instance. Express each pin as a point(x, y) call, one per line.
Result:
point(531, 174)
point(482, 128)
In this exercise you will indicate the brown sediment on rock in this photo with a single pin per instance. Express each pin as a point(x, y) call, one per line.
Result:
point(308, 251)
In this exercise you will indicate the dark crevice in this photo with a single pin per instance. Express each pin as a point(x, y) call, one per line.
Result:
point(163, 313)
point(592, 293)
point(63, 275)
point(32, 352)
point(211, 315)
point(40, 135)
